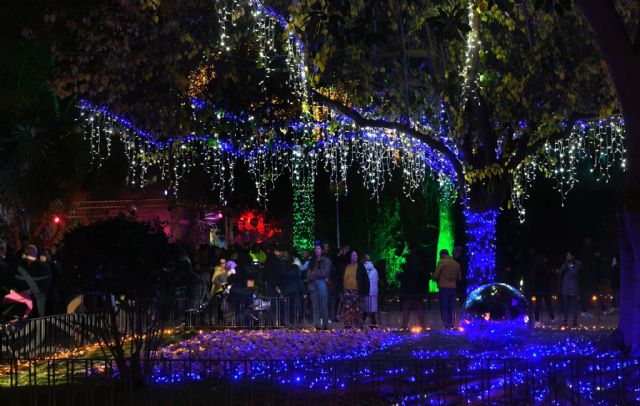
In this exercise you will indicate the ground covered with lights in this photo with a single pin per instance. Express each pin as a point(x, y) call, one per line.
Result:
point(401, 367)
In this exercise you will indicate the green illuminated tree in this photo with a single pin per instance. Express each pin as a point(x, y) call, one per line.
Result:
point(386, 240)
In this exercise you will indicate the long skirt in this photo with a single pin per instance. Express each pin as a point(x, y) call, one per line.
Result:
point(352, 315)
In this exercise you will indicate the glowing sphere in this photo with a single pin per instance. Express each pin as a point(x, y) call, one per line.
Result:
point(495, 315)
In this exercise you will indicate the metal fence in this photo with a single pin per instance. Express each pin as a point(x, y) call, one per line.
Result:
point(570, 381)
point(44, 336)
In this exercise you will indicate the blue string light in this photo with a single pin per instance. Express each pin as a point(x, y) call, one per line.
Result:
point(481, 235)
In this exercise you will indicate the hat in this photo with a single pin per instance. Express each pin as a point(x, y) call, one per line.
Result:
point(31, 252)
point(230, 265)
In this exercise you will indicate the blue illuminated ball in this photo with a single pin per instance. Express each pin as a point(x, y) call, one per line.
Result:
point(496, 315)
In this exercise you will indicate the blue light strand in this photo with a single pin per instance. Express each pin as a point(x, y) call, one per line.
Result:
point(483, 372)
point(481, 235)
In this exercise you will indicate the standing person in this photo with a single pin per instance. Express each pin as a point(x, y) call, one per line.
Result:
point(35, 276)
point(569, 275)
point(447, 275)
point(343, 258)
point(371, 296)
point(293, 291)
point(541, 279)
point(414, 284)
point(352, 308)
point(274, 270)
point(462, 259)
point(318, 273)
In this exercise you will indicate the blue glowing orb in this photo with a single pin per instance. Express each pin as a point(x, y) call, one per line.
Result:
point(495, 315)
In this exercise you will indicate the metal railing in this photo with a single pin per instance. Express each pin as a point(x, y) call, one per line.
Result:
point(44, 336)
point(374, 381)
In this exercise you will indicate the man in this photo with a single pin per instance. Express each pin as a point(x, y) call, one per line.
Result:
point(447, 275)
point(463, 260)
point(274, 270)
point(570, 275)
point(35, 276)
point(413, 288)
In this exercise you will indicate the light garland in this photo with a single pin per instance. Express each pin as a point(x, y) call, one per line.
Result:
point(481, 235)
point(599, 142)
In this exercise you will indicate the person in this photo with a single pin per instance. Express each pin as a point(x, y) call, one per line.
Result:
point(370, 295)
point(219, 282)
point(241, 298)
point(569, 275)
point(318, 273)
point(541, 289)
point(293, 291)
point(274, 270)
point(336, 279)
point(413, 288)
point(447, 275)
point(463, 260)
point(352, 309)
point(35, 276)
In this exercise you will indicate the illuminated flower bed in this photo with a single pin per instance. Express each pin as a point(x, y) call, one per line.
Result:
point(280, 345)
point(402, 368)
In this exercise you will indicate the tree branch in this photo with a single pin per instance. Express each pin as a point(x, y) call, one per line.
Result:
point(525, 150)
point(390, 125)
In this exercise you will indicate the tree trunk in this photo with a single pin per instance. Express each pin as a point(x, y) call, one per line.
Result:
point(481, 246)
point(624, 68)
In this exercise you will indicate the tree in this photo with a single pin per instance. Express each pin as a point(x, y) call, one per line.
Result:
point(620, 52)
point(485, 96)
point(123, 259)
point(499, 87)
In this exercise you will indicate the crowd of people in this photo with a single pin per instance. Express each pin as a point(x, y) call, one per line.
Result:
point(329, 287)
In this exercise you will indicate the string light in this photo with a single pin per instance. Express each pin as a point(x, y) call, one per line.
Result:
point(598, 142)
point(481, 234)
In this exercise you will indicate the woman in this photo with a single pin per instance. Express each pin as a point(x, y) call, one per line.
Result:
point(369, 295)
point(318, 273)
point(353, 273)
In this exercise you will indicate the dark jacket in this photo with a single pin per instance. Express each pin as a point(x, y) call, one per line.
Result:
point(362, 279)
point(292, 285)
point(274, 270)
point(414, 280)
point(319, 269)
point(570, 272)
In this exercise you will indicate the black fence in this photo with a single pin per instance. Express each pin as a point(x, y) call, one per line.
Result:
point(571, 381)
point(44, 336)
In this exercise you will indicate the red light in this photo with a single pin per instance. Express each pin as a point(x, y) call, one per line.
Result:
point(56, 220)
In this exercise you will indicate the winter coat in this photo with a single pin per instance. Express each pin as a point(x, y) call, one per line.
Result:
point(274, 269)
point(292, 285)
point(569, 277)
point(371, 299)
point(447, 273)
point(319, 269)
point(414, 280)
point(362, 279)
